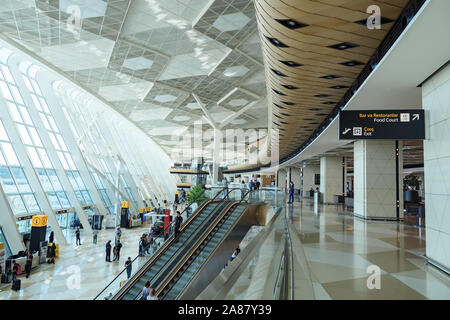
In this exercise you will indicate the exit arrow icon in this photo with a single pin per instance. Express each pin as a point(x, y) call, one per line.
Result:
point(416, 116)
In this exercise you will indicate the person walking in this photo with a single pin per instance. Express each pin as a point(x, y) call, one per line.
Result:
point(108, 251)
point(291, 192)
point(28, 264)
point(145, 290)
point(94, 236)
point(15, 270)
point(178, 222)
point(117, 248)
point(128, 266)
point(77, 235)
point(141, 246)
point(118, 235)
point(51, 238)
point(51, 253)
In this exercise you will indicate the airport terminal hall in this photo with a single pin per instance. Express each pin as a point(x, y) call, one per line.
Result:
point(231, 154)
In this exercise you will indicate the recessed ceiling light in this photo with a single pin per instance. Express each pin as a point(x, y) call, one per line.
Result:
point(338, 87)
point(322, 95)
point(343, 46)
point(288, 86)
point(291, 24)
point(351, 63)
point(278, 106)
point(276, 42)
point(315, 109)
point(331, 76)
point(278, 73)
point(288, 103)
point(328, 102)
point(278, 92)
point(291, 63)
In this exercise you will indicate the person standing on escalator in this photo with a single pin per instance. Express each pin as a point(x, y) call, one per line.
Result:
point(177, 224)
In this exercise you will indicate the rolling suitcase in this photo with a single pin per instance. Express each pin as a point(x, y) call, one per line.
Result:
point(16, 285)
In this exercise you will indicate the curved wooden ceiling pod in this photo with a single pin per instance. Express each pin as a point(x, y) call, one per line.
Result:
point(313, 51)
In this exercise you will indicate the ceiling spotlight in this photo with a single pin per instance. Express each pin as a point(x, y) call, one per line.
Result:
point(276, 42)
point(343, 46)
point(291, 24)
point(351, 63)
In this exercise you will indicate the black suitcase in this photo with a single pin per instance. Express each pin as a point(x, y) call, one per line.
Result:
point(16, 285)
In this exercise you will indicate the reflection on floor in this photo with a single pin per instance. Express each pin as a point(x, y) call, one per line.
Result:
point(59, 281)
point(339, 248)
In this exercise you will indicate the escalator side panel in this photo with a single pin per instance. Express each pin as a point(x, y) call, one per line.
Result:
point(222, 254)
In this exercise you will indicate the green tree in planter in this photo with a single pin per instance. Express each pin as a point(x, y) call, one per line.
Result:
point(197, 194)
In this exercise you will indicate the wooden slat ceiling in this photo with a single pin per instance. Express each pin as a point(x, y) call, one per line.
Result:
point(298, 111)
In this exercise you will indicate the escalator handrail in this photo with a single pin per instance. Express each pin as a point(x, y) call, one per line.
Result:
point(206, 234)
point(166, 245)
point(206, 243)
point(162, 249)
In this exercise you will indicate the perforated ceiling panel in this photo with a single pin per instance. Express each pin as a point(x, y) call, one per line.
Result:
point(313, 52)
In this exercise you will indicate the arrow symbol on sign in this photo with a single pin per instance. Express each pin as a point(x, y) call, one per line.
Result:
point(346, 131)
point(416, 116)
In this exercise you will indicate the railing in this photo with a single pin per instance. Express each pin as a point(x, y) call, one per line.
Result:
point(284, 284)
point(139, 261)
point(235, 195)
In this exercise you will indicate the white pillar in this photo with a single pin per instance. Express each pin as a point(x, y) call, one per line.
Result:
point(330, 178)
point(9, 226)
point(309, 173)
point(436, 103)
point(377, 177)
point(216, 155)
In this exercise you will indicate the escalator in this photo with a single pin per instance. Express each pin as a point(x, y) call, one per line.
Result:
point(189, 271)
point(161, 265)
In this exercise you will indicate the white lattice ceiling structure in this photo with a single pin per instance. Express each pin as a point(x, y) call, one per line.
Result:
point(145, 58)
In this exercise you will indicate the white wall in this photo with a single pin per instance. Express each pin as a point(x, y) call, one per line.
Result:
point(330, 178)
point(436, 102)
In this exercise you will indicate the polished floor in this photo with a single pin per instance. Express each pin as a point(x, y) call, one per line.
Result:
point(80, 272)
point(340, 248)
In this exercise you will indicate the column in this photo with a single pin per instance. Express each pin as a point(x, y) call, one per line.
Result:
point(281, 178)
point(309, 173)
point(216, 155)
point(330, 178)
point(378, 179)
point(436, 103)
point(8, 223)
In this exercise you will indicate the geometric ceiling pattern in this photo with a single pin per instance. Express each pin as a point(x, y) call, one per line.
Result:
point(145, 58)
point(313, 52)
